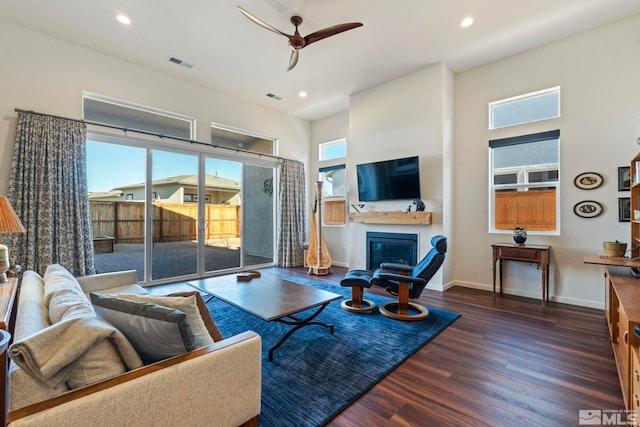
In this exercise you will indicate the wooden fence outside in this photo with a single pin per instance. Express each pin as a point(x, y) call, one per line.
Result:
point(533, 210)
point(172, 222)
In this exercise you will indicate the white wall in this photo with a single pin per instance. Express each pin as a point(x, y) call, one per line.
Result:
point(404, 117)
point(599, 75)
point(48, 75)
point(328, 129)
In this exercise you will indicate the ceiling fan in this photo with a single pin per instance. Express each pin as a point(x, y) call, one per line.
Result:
point(296, 41)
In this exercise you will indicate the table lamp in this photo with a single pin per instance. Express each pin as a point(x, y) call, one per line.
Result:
point(9, 223)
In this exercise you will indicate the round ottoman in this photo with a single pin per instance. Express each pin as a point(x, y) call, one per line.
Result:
point(357, 280)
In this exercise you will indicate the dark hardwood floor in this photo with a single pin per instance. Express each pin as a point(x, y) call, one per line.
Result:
point(508, 361)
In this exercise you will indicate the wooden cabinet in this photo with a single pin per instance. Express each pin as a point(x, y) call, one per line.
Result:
point(635, 380)
point(623, 313)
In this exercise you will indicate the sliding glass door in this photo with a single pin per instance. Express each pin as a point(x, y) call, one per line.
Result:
point(258, 215)
point(173, 214)
point(173, 229)
point(222, 215)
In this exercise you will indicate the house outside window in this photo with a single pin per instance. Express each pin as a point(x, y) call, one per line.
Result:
point(524, 183)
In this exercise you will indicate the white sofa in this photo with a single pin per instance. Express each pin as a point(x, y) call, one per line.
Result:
point(214, 385)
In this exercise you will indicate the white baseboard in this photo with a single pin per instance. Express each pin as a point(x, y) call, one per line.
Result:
point(527, 294)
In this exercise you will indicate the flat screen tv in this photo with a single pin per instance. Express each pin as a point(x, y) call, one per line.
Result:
point(397, 179)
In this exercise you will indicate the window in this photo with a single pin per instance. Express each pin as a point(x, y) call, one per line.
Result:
point(101, 109)
point(524, 182)
point(332, 150)
point(334, 182)
point(531, 107)
point(224, 136)
point(334, 194)
point(228, 222)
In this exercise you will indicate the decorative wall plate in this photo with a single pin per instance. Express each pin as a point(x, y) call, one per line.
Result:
point(588, 180)
point(588, 209)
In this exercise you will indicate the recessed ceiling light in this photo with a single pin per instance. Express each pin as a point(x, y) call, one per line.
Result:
point(123, 19)
point(302, 94)
point(466, 22)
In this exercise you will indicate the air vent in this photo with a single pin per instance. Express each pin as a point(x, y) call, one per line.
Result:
point(180, 62)
point(276, 97)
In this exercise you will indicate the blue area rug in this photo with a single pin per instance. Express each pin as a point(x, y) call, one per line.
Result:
point(315, 375)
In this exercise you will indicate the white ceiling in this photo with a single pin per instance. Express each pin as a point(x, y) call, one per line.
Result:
point(234, 55)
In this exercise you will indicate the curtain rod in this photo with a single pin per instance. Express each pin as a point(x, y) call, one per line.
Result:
point(144, 132)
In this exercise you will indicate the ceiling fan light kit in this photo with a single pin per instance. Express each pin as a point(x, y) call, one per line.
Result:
point(296, 41)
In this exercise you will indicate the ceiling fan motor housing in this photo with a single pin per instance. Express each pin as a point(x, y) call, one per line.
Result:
point(296, 40)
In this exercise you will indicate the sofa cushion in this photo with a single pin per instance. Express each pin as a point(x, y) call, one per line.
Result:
point(187, 304)
point(32, 311)
point(66, 300)
point(63, 295)
point(205, 314)
point(133, 289)
point(156, 332)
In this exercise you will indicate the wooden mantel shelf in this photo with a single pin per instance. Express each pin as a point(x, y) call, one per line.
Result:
point(397, 217)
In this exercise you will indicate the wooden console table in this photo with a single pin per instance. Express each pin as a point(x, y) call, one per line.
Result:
point(540, 254)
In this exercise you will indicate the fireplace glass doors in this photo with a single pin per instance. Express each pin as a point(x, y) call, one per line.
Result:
point(399, 248)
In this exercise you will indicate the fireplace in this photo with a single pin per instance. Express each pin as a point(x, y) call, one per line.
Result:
point(400, 248)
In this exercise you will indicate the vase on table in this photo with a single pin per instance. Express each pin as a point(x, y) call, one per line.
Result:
point(519, 240)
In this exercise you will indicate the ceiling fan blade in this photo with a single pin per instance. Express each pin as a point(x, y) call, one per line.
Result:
point(294, 59)
point(330, 31)
point(262, 23)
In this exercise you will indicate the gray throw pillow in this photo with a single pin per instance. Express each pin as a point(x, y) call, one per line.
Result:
point(156, 332)
point(186, 304)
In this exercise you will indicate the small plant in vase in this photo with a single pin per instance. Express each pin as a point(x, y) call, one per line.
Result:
point(519, 235)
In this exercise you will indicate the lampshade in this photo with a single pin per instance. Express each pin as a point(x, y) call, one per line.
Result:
point(9, 221)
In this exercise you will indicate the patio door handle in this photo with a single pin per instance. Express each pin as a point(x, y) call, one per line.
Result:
point(203, 224)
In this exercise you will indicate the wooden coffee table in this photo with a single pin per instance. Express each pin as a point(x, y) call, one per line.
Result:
point(271, 299)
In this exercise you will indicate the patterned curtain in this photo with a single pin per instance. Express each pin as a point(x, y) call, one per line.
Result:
point(48, 190)
point(292, 214)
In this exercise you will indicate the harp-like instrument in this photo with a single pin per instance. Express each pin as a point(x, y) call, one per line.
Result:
point(318, 257)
